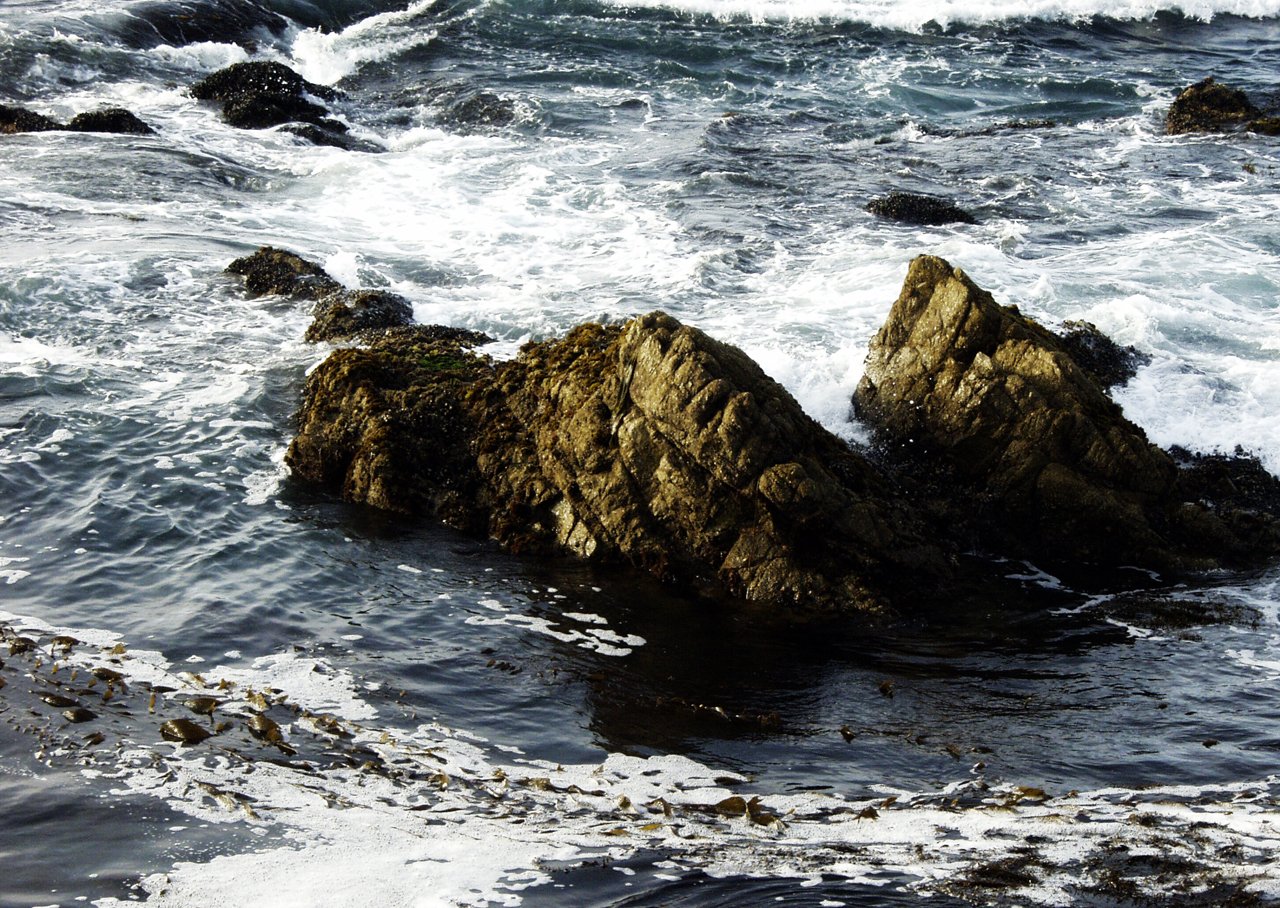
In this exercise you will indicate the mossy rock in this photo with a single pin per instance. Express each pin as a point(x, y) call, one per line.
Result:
point(1209, 106)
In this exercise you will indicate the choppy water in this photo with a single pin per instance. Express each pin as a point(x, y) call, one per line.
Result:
point(517, 727)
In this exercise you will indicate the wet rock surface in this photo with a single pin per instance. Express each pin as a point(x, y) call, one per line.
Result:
point(351, 312)
point(1211, 106)
point(271, 270)
point(258, 95)
point(111, 119)
point(108, 120)
point(1045, 463)
point(921, 210)
point(1109, 363)
point(19, 119)
point(651, 444)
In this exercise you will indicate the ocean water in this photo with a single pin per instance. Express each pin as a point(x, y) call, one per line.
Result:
point(459, 726)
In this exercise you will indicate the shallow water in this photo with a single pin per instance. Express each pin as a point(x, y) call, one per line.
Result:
point(707, 158)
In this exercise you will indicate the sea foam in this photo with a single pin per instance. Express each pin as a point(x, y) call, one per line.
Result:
point(915, 16)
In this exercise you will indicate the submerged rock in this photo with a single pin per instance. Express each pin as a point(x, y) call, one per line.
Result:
point(479, 110)
point(922, 210)
point(19, 119)
point(1045, 463)
point(1209, 106)
point(261, 94)
point(111, 119)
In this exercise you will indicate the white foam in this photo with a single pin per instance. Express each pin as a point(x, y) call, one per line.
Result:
point(470, 824)
point(914, 16)
point(327, 57)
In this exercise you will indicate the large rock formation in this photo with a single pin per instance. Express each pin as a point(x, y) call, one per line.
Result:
point(647, 443)
point(1046, 462)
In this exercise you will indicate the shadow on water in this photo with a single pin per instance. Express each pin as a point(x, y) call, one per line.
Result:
point(1031, 684)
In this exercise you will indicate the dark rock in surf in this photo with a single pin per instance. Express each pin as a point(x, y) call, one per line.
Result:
point(647, 443)
point(334, 138)
point(1209, 106)
point(339, 313)
point(19, 119)
point(1265, 126)
point(154, 22)
point(111, 119)
point(262, 94)
point(275, 271)
point(1044, 464)
point(478, 110)
point(921, 210)
point(1109, 363)
point(352, 312)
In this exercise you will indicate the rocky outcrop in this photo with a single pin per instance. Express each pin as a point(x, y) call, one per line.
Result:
point(1210, 106)
point(651, 444)
point(386, 425)
point(1045, 462)
point(647, 443)
point(19, 119)
point(261, 94)
point(111, 119)
point(921, 210)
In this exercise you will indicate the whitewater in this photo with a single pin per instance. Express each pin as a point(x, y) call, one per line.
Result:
point(461, 726)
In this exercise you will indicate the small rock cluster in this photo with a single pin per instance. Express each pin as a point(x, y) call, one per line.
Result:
point(113, 119)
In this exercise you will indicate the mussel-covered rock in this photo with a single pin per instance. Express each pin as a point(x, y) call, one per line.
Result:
point(276, 271)
point(19, 119)
point(260, 94)
point(351, 312)
point(1209, 106)
point(1043, 462)
point(184, 731)
point(922, 210)
point(111, 119)
point(1108, 362)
